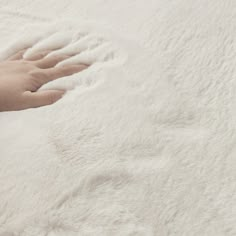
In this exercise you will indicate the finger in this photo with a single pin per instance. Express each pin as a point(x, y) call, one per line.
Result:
point(50, 61)
point(39, 55)
point(43, 76)
point(42, 98)
point(18, 55)
point(58, 72)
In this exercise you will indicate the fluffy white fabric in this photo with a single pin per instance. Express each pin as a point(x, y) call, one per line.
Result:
point(143, 143)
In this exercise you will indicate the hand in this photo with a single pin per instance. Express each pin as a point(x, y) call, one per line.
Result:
point(20, 79)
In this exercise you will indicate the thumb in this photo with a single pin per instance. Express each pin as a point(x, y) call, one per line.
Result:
point(43, 98)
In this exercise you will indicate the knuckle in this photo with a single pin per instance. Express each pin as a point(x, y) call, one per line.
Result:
point(37, 74)
point(36, 78)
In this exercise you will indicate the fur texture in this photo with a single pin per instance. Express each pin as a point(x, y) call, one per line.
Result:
point(144, 142)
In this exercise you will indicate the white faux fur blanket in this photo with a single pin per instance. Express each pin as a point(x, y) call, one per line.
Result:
point(144, 142)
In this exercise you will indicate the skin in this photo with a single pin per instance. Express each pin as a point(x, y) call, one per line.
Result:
point(20, 79)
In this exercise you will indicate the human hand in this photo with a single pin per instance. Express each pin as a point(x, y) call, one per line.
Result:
point(20, 79)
